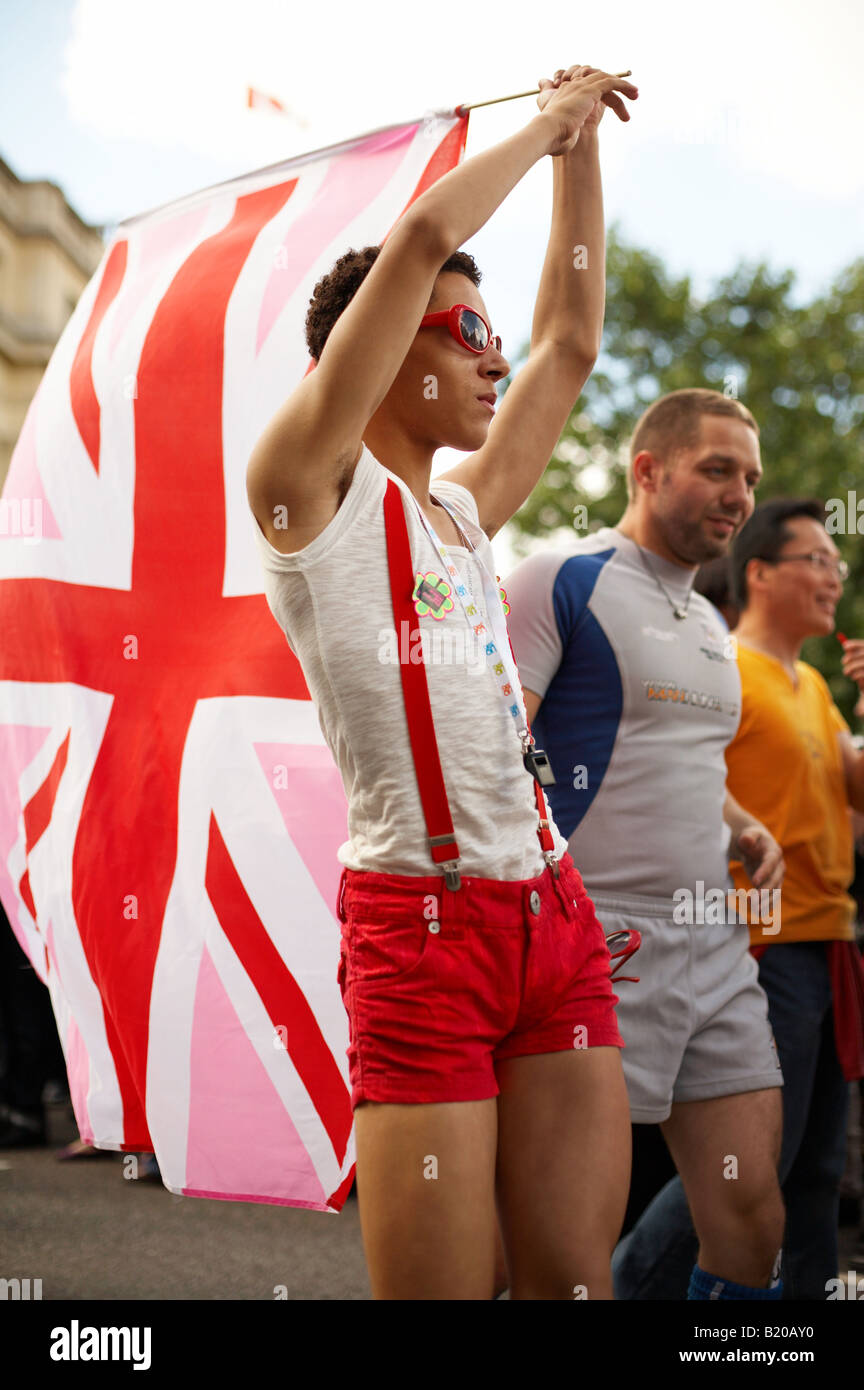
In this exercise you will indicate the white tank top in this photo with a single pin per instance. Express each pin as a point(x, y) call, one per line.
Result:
point(332, 601)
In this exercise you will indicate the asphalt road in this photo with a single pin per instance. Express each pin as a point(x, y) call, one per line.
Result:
point(89, 1233)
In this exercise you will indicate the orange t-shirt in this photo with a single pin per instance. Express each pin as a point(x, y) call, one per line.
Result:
point(785, 767)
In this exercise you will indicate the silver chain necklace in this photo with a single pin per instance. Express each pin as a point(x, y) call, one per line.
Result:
point(679, 610)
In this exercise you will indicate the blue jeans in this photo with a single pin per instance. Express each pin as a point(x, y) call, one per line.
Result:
point(655, 1260)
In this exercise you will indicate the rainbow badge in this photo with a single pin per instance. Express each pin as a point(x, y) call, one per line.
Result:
point(432, 595)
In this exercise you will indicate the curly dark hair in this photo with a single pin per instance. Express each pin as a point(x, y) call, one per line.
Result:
point(337, 288)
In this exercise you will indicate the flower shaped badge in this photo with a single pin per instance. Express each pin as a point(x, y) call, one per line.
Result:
point(503, 594)
point(432, 595)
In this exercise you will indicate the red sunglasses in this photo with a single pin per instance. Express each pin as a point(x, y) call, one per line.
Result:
point(622, 945)
point(467, 326)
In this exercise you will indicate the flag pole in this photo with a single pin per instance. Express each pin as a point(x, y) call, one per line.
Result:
point(493, 101)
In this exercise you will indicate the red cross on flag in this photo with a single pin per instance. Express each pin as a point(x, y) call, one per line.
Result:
point(169, 812)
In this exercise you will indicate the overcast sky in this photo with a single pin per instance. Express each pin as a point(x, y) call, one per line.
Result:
point(747, 140)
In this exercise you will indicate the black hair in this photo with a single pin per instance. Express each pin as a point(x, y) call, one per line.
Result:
point(714, 581)
point(765, 534)
point(335, 290)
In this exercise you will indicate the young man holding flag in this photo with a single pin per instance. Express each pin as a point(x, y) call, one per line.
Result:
point(483, 1045)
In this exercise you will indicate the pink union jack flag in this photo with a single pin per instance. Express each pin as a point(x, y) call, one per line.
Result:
point(169, 812)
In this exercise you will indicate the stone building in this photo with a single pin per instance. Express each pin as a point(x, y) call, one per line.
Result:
point(47, 255)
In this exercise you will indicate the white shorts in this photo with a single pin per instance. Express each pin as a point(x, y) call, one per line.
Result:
point(696, 1025)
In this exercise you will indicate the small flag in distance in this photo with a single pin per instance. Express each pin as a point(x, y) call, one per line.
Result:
point(262, 101)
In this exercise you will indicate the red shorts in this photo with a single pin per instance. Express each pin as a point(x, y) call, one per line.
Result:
point(440, 985)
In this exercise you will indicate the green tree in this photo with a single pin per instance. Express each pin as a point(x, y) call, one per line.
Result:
point(798, 366)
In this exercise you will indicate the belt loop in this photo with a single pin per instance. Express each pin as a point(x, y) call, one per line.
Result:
point(340, 910)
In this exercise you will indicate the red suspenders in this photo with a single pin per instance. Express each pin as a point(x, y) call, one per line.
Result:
point(418, 710)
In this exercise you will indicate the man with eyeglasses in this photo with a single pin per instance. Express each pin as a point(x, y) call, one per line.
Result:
point(794, 764)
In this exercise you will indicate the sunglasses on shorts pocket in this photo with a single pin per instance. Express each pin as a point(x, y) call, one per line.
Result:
point(468, 327)
point(622, 945)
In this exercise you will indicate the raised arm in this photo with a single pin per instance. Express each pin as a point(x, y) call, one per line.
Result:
point(306, 455)
point(565, 333)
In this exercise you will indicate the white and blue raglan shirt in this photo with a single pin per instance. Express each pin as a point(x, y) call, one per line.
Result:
point(637, 709)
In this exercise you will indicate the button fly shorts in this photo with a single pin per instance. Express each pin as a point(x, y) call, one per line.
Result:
point(440, 986)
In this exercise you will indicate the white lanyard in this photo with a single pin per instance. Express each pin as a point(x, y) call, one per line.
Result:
point(499, 658)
